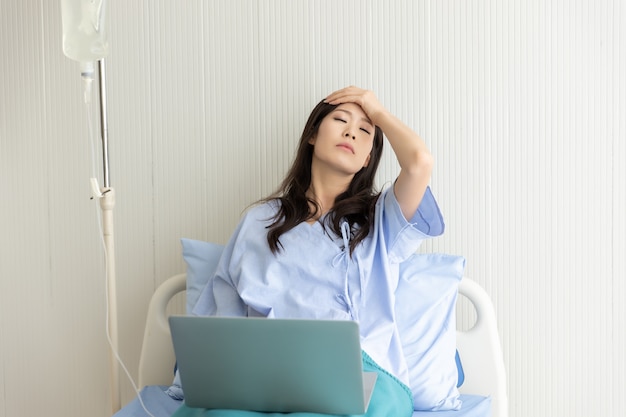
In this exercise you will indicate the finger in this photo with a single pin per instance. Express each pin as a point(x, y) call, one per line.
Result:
point(345, 97)
point(345, 94)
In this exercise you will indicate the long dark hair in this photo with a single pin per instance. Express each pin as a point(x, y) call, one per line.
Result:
point(355, 205)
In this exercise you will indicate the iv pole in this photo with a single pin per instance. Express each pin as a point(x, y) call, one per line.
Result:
point(107, 204)
point(84, 40)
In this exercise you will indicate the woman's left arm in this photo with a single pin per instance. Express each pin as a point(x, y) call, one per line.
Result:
point(416, 161)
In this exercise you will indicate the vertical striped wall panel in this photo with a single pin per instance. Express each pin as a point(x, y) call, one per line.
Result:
point(521, 103)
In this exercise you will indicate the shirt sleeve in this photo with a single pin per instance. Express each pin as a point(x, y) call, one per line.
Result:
point(404, 237)
point(428, 218)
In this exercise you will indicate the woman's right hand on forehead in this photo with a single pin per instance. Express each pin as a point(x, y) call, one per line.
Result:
point(364, 98)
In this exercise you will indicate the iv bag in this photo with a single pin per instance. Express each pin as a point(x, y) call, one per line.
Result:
point(85, 35)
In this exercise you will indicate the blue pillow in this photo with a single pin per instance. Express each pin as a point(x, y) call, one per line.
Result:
point(201, 259)
point(425, 313)
point(426, 318)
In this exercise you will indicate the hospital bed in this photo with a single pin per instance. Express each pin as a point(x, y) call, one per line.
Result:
point(479, 350)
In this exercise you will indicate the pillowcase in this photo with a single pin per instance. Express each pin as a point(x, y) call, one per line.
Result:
point(201, 259)
point(426, 318)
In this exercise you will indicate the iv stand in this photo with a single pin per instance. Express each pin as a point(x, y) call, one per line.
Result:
point(107, 204)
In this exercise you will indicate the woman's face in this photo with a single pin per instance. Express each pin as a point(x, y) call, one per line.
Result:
point(344, 140)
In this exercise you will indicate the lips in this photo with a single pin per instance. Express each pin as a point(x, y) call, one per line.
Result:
point(347, 146)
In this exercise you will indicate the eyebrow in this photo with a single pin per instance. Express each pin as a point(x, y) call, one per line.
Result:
point(365, 119)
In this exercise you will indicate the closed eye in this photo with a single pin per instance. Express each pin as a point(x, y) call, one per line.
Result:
point(340, 120)
point(365, 130)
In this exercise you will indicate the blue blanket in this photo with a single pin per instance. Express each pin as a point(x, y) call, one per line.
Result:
point(162, 405)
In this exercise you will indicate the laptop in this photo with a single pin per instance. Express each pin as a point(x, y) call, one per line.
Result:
point(272, 365)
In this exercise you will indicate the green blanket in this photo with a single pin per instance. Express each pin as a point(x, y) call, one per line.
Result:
point(391, 398)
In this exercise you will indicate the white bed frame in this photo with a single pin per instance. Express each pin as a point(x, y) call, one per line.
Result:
point(479, 347)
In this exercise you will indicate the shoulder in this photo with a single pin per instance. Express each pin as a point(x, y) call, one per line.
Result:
point(251, 232)
point(262, 211)
point(255, 220)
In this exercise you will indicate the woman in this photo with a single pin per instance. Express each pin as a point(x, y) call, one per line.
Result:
point(326, 245)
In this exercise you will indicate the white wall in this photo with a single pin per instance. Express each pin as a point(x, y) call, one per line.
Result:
point(522, 104)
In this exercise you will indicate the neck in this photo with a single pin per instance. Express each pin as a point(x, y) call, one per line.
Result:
point(324, 190)
point(326, 185)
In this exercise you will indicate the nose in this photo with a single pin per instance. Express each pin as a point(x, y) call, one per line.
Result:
point(349, 135)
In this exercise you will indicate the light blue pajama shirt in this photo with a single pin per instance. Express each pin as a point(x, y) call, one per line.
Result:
point(314, 276)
